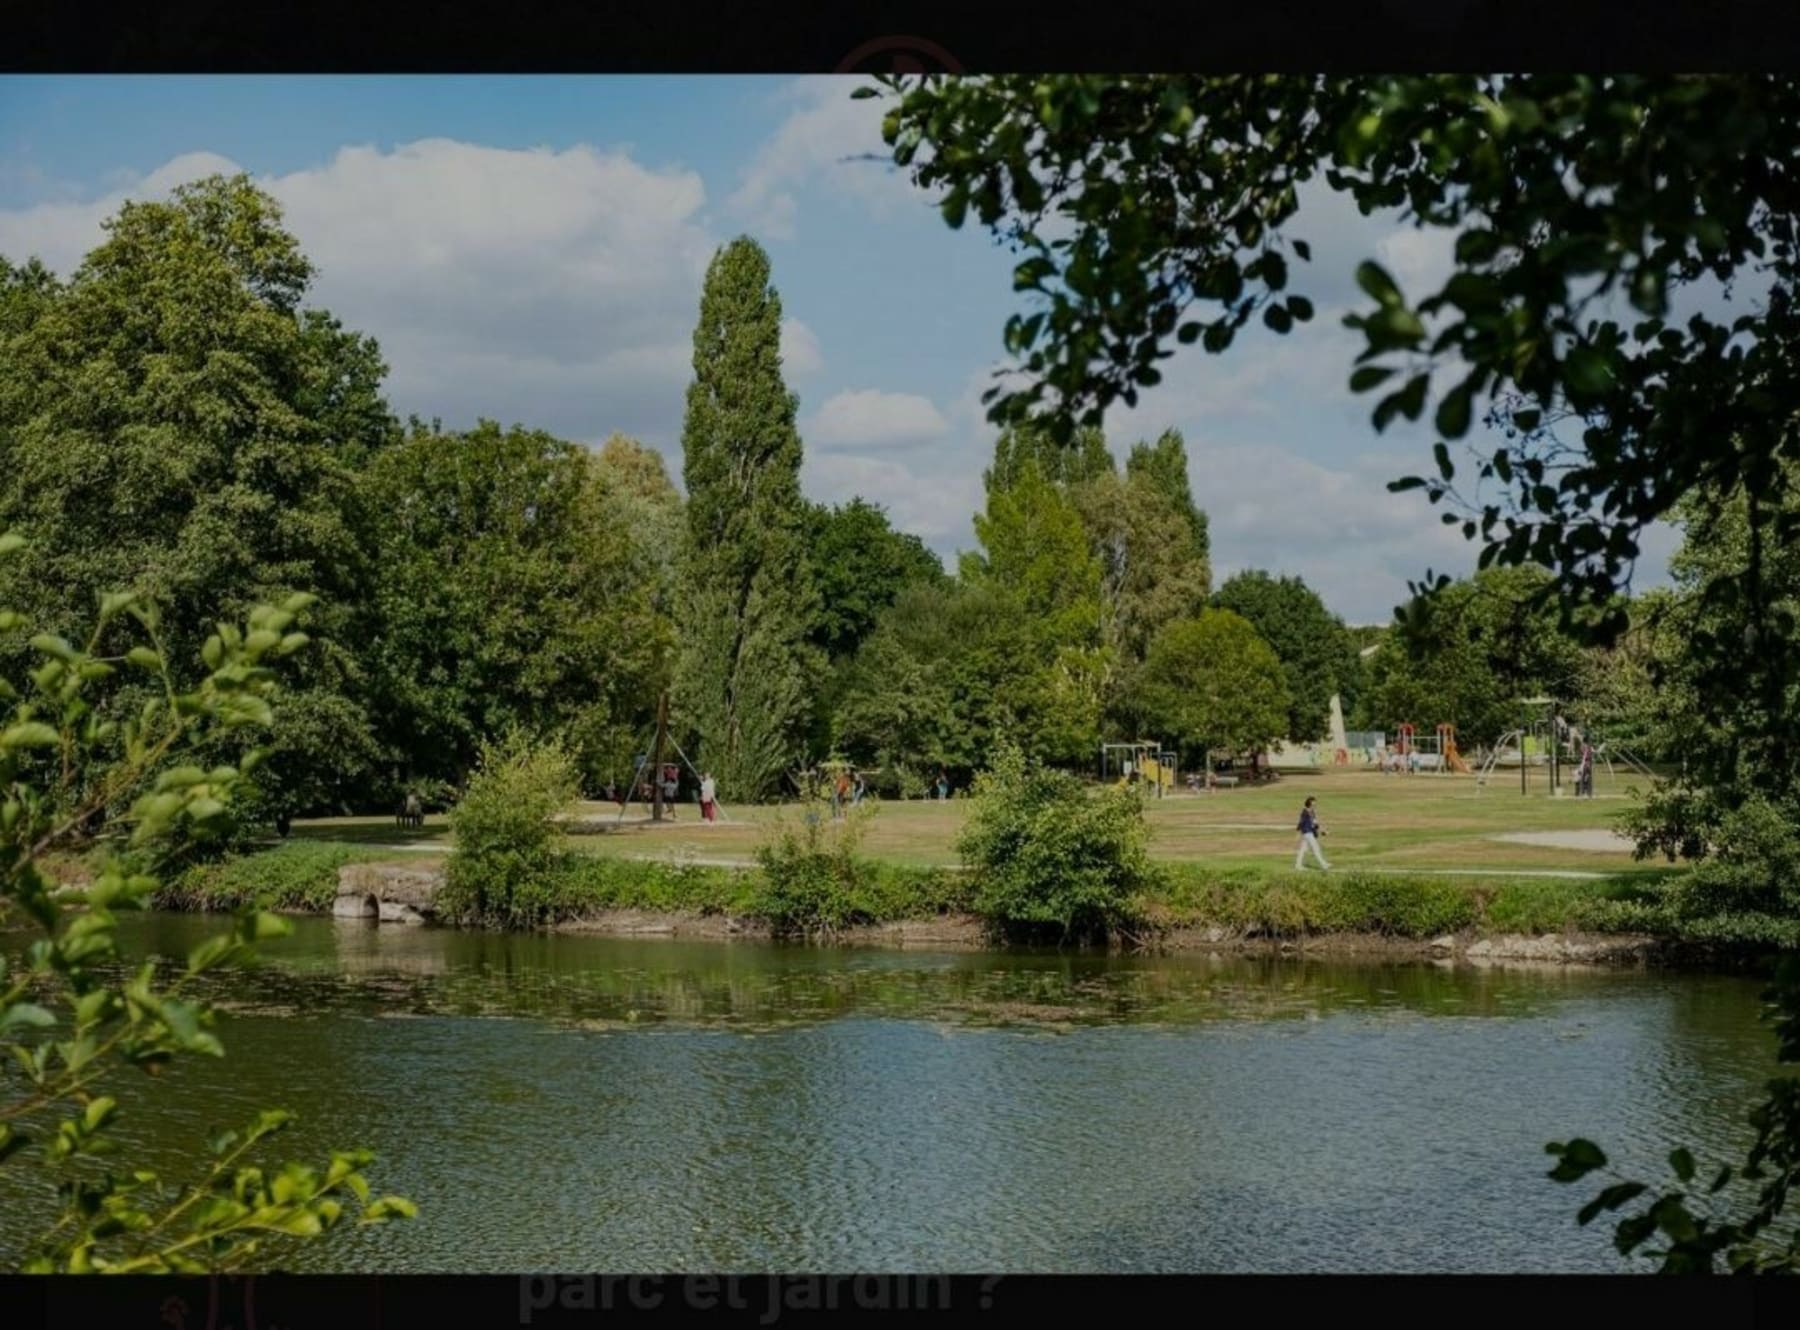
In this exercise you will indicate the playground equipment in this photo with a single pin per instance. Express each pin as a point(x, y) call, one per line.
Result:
point(651, 769)
point(1546, 738)
point(1450, 760)
point(1145, 760)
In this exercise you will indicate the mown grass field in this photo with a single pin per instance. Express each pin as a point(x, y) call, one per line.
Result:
point(1409, 824)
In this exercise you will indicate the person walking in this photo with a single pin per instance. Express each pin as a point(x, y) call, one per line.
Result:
point(709, 798)
point(840, 791)
point(858, 788)
point(943, 785)
point(1310, 831)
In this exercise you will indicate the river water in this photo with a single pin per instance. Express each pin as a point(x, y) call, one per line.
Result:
point(590, 1104)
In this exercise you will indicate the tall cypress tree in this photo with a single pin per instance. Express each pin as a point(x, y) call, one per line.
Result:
point(746, 601)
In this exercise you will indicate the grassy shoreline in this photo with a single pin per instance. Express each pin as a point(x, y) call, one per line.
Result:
point(1236, 905)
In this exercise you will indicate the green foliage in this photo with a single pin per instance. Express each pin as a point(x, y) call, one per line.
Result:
point(861, 564)
point(1154, 568)
point(1703, 1224)
point(947, 671)
point(1317, 658)
point(517, 587)
point(1036, 553)
point(1295, 905)
point(813, 879)
point(1257, 902)
point(1745, 890)
point(1156, 211)
point(295, 875)
point(506, 844)
point(1467, 655)
point(748, 602)
point(1212, 683)
point(1163, 466)
point(63, 763)
point(174, 424)
point(1048, 856)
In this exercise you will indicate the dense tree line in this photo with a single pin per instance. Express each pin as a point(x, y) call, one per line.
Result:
point(173, 418)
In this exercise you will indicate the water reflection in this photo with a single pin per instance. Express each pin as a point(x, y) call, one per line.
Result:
point(585, 1103)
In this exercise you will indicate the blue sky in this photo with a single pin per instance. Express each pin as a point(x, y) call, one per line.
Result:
point(530, 249)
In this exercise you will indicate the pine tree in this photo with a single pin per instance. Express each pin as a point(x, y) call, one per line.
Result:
point(747, 602)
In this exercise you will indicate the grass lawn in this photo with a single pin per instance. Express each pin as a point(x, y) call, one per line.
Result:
point(1373, 821)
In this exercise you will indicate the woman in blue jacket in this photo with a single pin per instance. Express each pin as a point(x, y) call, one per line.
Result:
point(1310, 831)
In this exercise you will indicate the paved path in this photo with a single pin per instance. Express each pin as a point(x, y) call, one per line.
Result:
point(1577, 873)
point(1601, 839)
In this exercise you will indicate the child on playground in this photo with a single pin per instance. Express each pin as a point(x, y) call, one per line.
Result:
point(1310, 831)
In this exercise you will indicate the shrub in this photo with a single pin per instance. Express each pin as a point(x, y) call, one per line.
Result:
point(1745, 892)
point(1415, 907)
point(1048, 856)
point(507, 849)
point(813, 881)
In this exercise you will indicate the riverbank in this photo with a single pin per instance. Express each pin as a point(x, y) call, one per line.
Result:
point(968, 932)
point(1411, 916)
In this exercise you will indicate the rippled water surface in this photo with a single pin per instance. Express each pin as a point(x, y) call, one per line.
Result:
point(597, 1104)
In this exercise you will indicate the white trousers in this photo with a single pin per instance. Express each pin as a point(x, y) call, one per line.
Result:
point(1308, 841)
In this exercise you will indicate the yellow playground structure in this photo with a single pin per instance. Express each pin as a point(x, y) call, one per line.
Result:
point(1145, 761)
point(1452, 759)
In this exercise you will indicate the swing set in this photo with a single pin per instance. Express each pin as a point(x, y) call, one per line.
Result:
point(651, 761)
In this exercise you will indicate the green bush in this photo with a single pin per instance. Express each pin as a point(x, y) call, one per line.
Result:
point(584, 884)
point(1414, 907)
point(296, 875)
point(813, 881)
point(508, 853)
point(1048, 856)
point(1745, 892)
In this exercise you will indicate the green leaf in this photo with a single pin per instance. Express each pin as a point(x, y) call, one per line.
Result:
point(26, 1013)
point(1610, 1199)
point(1412, 397)
point(10, 541)
point(1369, 376)
point(1453, 413)
point(1576, 1160)
point(1682, 1161)
point(1374, 280)
point(210, 952)
point(1474, 247)
point(1304, 250)
point(1587, 371)
point(144, 658)
point(1632, 1232)
point(52, 645)
point(31, 734)
point(1277, 318)
point(98, 1113)
point(1300, 307)
point(113, 602)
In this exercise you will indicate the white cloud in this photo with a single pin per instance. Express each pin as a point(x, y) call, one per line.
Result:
point(800, 349)
point(869, 418)
point(825, 141)
point(931, 502)
point(557, 288)
point(1337, 527)
point(1419, 259)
